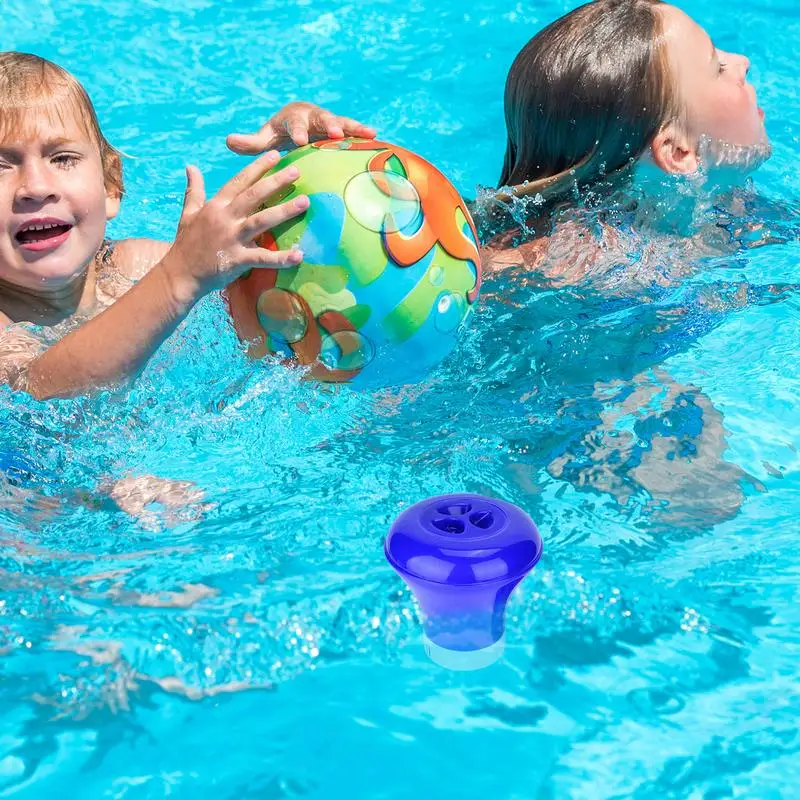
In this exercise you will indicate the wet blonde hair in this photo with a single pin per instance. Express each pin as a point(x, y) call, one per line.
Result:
point(585, 97)
point(28, 82)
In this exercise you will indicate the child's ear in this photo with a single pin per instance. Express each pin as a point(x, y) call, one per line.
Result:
point(673, 152)
point(113, 202)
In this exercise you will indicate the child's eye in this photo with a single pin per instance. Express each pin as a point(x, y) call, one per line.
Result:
point(66, 159)
point(722, 67)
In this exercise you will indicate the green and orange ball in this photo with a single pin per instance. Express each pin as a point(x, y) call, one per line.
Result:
point(390, 272)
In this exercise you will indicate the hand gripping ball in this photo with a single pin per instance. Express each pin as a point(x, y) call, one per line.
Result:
point(391, 267)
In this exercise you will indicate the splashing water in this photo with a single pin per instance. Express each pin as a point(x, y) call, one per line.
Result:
point(744, 158)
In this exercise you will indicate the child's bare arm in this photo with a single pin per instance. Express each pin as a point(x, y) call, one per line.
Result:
point(214, 245)
point(18, 347)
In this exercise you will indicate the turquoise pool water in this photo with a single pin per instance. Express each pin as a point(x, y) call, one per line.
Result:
point(256, 643)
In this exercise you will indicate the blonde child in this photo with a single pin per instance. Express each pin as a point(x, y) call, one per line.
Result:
point(61, 181)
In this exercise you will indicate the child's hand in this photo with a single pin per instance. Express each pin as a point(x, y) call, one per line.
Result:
point(297, 124)
point(158, 502)
point(215, 243)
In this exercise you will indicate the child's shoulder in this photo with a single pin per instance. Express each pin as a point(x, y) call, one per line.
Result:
point(503, 252)
point(133, 258)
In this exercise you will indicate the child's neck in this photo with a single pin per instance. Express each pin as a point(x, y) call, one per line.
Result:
point(48, 305)
point(684, 204)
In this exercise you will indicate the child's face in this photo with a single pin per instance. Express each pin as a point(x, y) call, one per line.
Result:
point(720, 104)
point(53, 202)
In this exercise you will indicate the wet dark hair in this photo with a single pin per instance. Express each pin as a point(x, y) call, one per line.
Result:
point(585, 97)
point(29, 84)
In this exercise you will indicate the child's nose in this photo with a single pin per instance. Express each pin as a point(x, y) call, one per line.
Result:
point(743, 63)
point(35, 185)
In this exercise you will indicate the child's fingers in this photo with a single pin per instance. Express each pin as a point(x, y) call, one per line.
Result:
point(256, 195)
point(329, 125)
point(250, 144)
point(334, 130)
point(248, 176)
point(297, 128)
point(273, 259)
point(245, 144)
point(323, 123)
point(352, 127)
point(270, 217)
point(337, 127)
point(195, 196)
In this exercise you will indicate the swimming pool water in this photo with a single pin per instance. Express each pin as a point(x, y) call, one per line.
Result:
point(255, 643)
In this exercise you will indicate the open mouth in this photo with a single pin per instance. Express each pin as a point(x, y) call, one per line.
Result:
point(43, 234)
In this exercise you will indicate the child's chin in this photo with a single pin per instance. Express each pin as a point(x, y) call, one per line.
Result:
point(53, 273)
point(717, 153)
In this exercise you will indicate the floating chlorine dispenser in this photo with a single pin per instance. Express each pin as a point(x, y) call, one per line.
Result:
point(462, 555)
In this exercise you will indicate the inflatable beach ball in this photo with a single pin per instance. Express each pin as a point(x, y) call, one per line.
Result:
point(390, 271)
